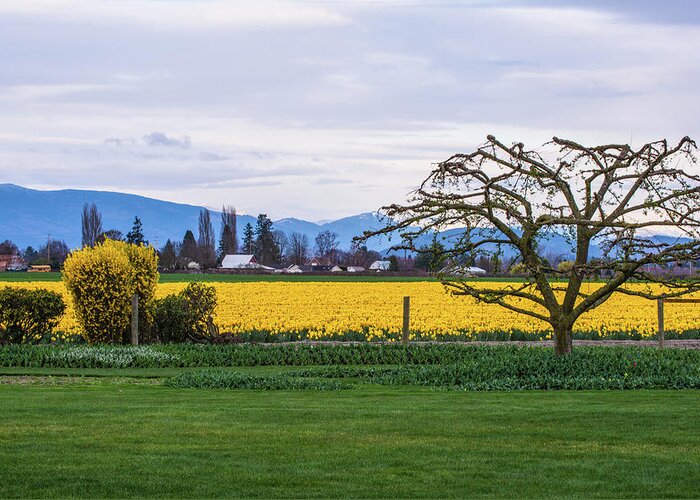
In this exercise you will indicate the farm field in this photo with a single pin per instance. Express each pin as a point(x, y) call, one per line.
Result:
point(109, 437)
point(234, 278)
point(359, 311)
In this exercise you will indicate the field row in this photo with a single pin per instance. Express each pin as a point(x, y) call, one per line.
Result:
point(373, 311)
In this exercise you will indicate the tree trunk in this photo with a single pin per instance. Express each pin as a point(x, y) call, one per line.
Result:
point(563, 341)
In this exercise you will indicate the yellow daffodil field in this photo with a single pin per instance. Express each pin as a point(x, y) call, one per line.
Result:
point(266, 311)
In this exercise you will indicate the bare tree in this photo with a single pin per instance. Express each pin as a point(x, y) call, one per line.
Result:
point(613, 196)
point(91, 223)
point(110, 234)
point(207, 240)
point(360, 255)
point(228, 241)
point(282, 242)
point(327, 245)
point(7, 247)
point(298, 251)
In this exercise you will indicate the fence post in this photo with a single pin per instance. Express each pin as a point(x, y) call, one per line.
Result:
point(406, 319)
point(135, 319)
point(660, 311)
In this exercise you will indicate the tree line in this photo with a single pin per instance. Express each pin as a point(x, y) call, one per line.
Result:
point(270, 246)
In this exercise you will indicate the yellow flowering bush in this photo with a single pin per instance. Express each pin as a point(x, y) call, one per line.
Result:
point(101, 281)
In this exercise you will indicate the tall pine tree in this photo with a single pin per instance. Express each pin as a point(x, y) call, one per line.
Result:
point(168, 256)
point(135, 236)
point(248, 239)
point(188, 249)
point(266, 250)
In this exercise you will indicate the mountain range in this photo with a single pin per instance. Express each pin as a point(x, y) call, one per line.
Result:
point(29, 216)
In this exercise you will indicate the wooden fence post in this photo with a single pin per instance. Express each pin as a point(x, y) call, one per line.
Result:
point(135, 319)
point(406, 319)
point(660, 312)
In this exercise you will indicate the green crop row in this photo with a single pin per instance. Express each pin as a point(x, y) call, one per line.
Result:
point(490, 360)
point(221, 379)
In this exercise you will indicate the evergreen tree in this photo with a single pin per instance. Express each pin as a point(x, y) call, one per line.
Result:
point(431, 258)
point(30, 255)
point(188, 249)
point(135, 236)
point(168, 256)
point(248, 239)
point(266, 250)
point(393, 263)
point(223, 249)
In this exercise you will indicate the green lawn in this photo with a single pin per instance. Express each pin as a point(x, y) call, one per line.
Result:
point(113, 439)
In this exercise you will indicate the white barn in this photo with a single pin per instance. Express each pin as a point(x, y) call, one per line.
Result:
point(239, 261)
point(463, 271)
point(380, 265)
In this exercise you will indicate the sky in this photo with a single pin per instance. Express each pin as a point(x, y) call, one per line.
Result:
point(325, 109)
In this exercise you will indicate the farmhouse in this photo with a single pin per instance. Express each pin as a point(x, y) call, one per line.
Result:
point(239, 261)
point(11, 263)
point(463, 271)
point(380, 265)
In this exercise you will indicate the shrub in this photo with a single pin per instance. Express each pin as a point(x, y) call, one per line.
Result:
point(28, 315)
point(187, 316)
point(101, 281)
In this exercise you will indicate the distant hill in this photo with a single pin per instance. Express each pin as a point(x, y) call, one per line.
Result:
point(29, 215)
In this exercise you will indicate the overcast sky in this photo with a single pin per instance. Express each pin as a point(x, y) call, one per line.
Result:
point(324, 109)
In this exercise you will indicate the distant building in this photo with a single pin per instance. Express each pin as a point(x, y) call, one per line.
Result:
point(463, 271)
point(320, 262)
point(239, 261)
point(337, 269)
point(12, 263)
point(243, 261)
point(356, 269)
point(380, 265)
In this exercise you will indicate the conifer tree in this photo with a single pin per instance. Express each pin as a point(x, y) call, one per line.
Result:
point(266, 249)
point(135, 236)
point(248, 239)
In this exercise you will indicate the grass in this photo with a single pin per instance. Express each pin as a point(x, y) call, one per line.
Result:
point(135, 372)
point(126, 440)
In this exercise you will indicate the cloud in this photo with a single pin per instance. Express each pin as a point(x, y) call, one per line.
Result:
point(206, 156)
point(160, 139)
point(118, 141)
point(179, 15)
point(368, 91)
